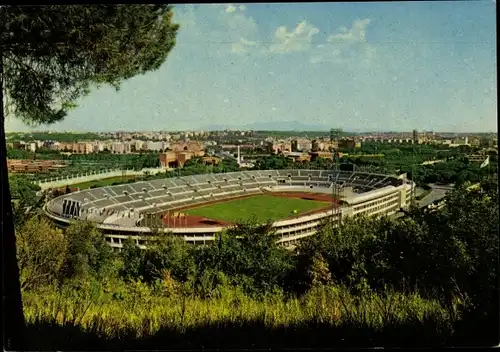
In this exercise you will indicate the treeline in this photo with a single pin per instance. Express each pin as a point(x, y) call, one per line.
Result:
point(42, 154)
point(420, 278)
point(192, 167)
point(456, 170)
point(54, 136)
point(128, 161)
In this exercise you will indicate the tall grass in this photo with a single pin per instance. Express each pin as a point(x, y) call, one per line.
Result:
point(143, 314)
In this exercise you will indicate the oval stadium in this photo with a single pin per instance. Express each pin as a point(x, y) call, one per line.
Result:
point(197, 207)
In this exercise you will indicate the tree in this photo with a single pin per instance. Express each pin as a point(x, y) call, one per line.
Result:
point(52, 55)
point(133, 258)
point(41, 253)
point(168, 253)
point(88, 253)
point(249, 255)
point(25, 203)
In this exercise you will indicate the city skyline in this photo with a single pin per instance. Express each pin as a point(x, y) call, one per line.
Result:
point(401, 66)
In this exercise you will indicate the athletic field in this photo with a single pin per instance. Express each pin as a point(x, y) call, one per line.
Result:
point(259, 207)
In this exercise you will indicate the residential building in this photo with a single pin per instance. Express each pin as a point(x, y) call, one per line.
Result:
point(118, 148)
point(31, 147)
point(33, 166)
point(321, 154)
point(300, 145)
point(349, 144)
point(415, 136)
point(280, 147)
point(154, 146)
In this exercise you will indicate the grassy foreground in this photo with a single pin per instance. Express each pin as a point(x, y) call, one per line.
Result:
point(260, 207)
point(325, 317)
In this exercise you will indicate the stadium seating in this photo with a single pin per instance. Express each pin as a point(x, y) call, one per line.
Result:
point(163, 194)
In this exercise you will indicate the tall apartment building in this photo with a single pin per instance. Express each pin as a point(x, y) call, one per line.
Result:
point(180, 154)
point(119, 148)
point(32, 146)
point(349, 143)
point(280, 147)
point(301, 145)
point(77, 148)
point(98, 147)
point(154, 146)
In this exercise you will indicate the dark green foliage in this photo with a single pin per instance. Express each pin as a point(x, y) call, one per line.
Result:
point(249, 256)
point(21, 188)
point(25, 202)
point(273, 162)
point(88, 253)
point(396, 158)
point(442, 254)
point(53, 136)
point(52, 55)
point(19, 154)
point(133, 260)
point(67, 49)
point(170, 254)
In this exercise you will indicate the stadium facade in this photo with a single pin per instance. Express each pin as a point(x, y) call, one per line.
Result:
point(132, 210)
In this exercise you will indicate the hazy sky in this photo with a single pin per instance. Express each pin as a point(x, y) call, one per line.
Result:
point(390, 66)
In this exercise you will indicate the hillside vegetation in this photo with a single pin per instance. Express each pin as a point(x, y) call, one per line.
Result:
point(426, 279)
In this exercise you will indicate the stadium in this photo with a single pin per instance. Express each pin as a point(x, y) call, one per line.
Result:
point(197, 207)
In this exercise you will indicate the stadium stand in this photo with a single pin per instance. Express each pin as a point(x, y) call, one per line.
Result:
point(125, 207)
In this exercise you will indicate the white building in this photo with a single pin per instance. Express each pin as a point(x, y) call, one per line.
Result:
point(31, 146)
point(117, 148)
point(156, 146)
point(98, 147)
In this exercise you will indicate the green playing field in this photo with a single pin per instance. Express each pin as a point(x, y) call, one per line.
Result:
point(260, 207)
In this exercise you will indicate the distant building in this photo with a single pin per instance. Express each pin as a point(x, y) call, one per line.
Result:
point(321, 154)
point(18, 145)
point(297, 156)
point(415, 136)
point(279, 147)
point(210, 160)
point(154, 146)
point(77, 148)
point(477, 158)
point(349, 144)
point(181, 153)
point(300, 145)
point(117, 148)
point(33, 166)
point(31, 147)
point(315, 146)
point(474, 142)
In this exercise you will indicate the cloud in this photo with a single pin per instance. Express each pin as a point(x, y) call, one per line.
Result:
point(223, 29)
point(357, 33)
point(227, 29)
point(297, 40)
point(348, 47)
point(244, 46)
point(230, 9)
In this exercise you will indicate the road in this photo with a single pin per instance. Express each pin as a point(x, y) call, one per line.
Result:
point(437, 192)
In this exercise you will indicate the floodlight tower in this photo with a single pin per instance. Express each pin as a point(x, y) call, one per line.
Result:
point(334, 135)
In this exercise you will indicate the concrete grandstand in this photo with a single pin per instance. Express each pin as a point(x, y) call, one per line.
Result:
point(137, 209)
